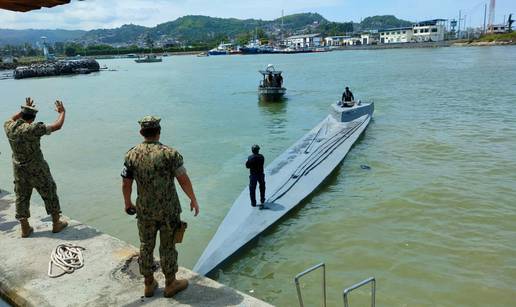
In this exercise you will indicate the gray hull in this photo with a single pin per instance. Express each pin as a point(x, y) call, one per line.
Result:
point(290, 178)
point(271, 93)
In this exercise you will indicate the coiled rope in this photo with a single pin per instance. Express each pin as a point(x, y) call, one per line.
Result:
point(67, 257)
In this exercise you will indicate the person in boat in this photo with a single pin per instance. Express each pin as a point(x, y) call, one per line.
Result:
point(256, 175)
point(280, 80)
point(31, 171)
point(155, 167)
point(269, 80)
point(348, 100)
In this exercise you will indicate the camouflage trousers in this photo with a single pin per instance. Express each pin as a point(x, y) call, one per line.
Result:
point(29, 177)
point(148, 230)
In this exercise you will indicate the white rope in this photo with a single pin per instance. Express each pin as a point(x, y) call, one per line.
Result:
point(67, 257)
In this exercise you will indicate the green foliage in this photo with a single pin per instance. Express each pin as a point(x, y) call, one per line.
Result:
point(336, 28)
point(383, 22)
point(505, 37)
point(297, 21)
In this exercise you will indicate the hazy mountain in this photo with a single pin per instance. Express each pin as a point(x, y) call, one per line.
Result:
point(18, 37)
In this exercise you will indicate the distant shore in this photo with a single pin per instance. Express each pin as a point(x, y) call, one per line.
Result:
point(482, 42)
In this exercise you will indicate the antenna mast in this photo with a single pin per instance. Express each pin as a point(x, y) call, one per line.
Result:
point(490, 24)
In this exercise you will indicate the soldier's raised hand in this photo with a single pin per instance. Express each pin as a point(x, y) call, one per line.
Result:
point(29, 102)
point(59, 106)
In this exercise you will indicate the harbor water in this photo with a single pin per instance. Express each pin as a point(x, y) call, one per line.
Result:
point(433, 218)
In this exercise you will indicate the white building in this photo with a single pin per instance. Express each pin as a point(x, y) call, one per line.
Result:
point(304, 41)
point(369, 38)
point(396, 35)
point(332, 41)
point(497, 29)
point(429, 31)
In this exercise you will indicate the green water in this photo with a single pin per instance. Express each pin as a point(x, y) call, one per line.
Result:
point(434, 219)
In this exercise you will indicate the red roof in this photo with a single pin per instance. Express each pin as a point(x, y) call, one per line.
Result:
point(29, 5)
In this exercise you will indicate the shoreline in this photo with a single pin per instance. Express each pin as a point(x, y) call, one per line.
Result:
point(443, 44)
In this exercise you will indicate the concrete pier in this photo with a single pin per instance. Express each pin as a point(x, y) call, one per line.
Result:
point(109, 277)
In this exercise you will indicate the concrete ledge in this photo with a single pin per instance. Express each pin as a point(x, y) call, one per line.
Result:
point(109, 277)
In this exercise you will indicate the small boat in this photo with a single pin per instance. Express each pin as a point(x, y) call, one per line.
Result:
point(290, 178)
point(202, 54)
point(271, 87)
point(150, 58)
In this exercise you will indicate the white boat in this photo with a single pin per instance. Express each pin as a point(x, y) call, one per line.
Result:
point(290, 178)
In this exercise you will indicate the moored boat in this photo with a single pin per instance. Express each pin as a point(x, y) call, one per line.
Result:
point(290, 178)
point(150, 58)
point(221, 49)
point(255, 47)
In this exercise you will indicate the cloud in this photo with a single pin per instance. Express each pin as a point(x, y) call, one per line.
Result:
point(91, 14)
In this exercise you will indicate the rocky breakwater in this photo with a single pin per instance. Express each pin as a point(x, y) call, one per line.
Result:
point(64, 67)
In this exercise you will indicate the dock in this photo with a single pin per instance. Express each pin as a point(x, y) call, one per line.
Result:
point(110, 276)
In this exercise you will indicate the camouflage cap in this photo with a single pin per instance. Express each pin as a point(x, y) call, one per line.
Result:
point(149, 121)
point(30, 110)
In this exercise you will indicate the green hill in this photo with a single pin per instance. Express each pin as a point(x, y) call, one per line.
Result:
point(383, 22)
point(195, 29)
point(126, 33)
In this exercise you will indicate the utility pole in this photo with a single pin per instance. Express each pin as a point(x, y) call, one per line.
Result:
point(458, 31)
point(485, 14)
point(465, 29)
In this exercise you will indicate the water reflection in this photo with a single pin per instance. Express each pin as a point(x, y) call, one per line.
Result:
point(276, 115)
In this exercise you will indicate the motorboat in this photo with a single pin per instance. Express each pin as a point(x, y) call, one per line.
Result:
point(290, 178)
point(271, 86)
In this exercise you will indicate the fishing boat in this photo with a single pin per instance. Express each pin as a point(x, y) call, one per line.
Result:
point(290, 178)
point(255, 47)
point(221, 49)
point(271, 86)
point(150, 58)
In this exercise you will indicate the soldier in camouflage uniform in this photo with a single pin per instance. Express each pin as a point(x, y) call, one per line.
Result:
point(154, 167)
point(31, 171)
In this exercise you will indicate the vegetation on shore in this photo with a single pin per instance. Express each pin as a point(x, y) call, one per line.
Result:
point(504, 37)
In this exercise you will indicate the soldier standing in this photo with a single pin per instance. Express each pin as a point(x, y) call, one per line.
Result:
point(154, 167)
point(30, 168)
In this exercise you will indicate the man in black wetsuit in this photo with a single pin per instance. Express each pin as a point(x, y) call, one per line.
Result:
point(347, 98)
point(255, 165)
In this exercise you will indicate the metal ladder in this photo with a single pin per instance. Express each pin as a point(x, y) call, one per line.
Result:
point(345, 293)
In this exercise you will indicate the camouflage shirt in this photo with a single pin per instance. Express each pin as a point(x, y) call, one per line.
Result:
point(24, 139)
point(154, 166)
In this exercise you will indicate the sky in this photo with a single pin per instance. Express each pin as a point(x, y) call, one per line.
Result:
point(94, 14)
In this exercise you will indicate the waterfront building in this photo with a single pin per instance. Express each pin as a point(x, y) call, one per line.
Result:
point(304, 41)
point(396, 35)
point(497, 29)
point(335, 41)
point(369, 38)
point(429, 31)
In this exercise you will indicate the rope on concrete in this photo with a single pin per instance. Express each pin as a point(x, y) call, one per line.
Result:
point(67, 257)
